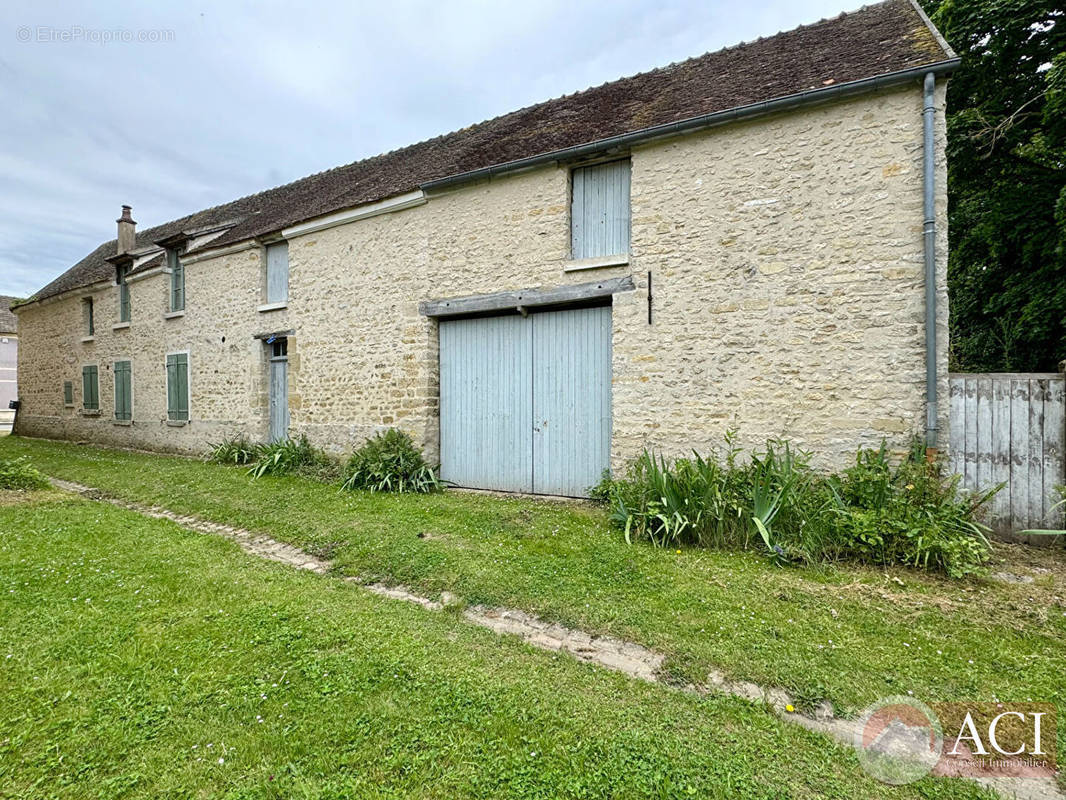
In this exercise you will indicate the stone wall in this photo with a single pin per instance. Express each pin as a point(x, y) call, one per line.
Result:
point(226, 365)
point(786, 256)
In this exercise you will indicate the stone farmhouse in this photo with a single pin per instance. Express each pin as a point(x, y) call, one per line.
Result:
point(753, 239)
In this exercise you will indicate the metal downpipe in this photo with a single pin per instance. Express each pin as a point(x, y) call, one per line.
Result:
point(929, 242)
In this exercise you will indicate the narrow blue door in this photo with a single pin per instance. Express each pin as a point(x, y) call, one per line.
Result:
point(486, 412)
point(571, 400)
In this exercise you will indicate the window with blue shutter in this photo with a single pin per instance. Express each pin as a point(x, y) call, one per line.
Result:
point(599, 210)
point(90, 322)
point(68, 393)
point(90, 388)
point(178, 386)
point(123, 390)
point(123, 294)
point(277, 272)
point(177, 281)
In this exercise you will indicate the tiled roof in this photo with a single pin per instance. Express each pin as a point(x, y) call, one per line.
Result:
point(875, 40)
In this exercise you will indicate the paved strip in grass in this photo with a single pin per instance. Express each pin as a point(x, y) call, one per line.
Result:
point(142, 660)
point(851, 635)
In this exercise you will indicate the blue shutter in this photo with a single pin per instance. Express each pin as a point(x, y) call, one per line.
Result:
point(277, 272)
point(68, 393)
point(123, 390)
point(123, 295)
point(177, 281)
point(599, 210)
point(178, 386)
point(90, 388)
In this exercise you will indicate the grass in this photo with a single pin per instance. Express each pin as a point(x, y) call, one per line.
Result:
point(844, 633)
point(142, 660)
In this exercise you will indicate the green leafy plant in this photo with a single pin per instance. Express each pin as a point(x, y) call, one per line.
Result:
point(236, 450)
point(872, 512)
point(290, 456)
point(17, 473)
point(390, 462)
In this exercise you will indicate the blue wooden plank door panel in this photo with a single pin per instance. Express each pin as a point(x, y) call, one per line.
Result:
point(571, 400)
point(600, 210)
point(279, 399)
point(486, 403)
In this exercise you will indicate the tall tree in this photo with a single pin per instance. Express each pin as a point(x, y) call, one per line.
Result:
point(1006, 183)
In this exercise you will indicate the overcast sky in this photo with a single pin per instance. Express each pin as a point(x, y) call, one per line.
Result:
point(229, 98)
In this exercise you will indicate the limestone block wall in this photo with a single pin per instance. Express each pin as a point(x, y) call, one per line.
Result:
point(787, 282)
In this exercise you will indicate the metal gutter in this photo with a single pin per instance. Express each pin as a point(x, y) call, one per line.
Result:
point(788, 102)
point(929, 247)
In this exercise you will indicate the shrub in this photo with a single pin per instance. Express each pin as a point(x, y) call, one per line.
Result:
point(910, 514)
point(390, 462)
point(775, 501)
point(236, 450)
point(290, 456)
point(17, 473)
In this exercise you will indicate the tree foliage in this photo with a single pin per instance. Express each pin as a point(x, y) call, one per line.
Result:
point(1006, 182)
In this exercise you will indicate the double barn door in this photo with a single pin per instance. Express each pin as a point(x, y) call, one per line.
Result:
point(525, 402)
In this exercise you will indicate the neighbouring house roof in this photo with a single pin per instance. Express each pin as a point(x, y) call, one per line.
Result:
point(8, 321)
point(876, 40)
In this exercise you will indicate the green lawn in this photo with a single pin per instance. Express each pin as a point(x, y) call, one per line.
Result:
point(848, 634)
point(142, 660)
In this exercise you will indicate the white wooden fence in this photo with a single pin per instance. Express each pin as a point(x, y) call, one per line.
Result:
point(1008, 428)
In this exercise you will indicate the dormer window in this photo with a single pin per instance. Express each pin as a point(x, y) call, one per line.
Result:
point(177, 280)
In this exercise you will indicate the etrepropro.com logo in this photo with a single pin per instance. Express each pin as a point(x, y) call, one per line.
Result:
point(900, 740)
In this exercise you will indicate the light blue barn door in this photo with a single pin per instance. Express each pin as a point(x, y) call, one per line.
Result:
point(571, 400)
point(486, 412)
point(525, 402)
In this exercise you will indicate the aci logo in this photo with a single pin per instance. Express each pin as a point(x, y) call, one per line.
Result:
point(900, 740)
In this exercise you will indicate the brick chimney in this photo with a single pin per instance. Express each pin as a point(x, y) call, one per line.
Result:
point(127, 231)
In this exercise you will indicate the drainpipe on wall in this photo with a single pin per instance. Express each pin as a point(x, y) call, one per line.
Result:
point(929, 234)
